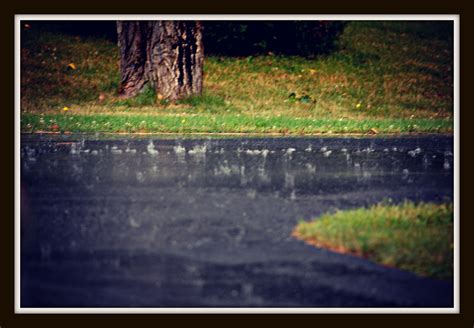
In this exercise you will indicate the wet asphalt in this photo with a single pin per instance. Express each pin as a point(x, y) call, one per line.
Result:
point(200, 222)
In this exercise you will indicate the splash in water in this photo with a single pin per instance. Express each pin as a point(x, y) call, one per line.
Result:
point(151, 148)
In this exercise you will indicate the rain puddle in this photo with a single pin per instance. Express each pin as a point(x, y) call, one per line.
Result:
point(227, 201)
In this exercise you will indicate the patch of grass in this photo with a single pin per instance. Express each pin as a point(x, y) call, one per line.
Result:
point(46, 80)
point(414, 237)
point(147, 97)
point(398, 71)
point(226, 123)
point(207, 103)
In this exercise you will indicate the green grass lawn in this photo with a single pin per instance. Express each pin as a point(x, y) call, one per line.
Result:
point(414, 237)
point(388, 77)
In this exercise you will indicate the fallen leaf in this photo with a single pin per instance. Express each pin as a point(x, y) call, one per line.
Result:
point(71, 66)
point(373, 131)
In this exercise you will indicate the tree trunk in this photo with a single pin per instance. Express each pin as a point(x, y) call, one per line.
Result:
point(166, 54)
point(132, 44)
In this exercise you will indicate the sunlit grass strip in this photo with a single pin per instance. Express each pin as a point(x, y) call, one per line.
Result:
point(208, 123)
point(414, 237)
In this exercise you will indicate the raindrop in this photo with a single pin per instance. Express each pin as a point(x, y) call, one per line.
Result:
point(263, 175)
point(446, 165)
point(140, 177)
point(74, 149)
point(327, 153)
point(243, 178)
point(290, 151)
point(198, 150)
point(425, 162)
point(310, 168)
point(252, 193)
point(134, 223)
point(293, 195)
point(414, 152)
point(253, 152)
point(235, 169)
point(289, 180)
point(151, 148)
point(222, 170)
point(368, 150)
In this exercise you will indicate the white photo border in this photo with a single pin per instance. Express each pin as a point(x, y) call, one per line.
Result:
point(350, 17)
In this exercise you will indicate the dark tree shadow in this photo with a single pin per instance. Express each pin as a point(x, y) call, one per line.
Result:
point(230, 38)
point(244, 38)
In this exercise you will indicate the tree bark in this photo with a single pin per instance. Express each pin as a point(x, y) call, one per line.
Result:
point(132, 44)
point(166, 54)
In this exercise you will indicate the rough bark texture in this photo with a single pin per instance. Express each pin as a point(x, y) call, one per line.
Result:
point(167, 54)
point(132, 44)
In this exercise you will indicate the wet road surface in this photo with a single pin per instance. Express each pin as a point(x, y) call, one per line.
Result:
point(207, 222)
